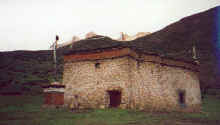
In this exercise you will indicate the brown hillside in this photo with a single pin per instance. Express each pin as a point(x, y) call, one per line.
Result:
point(178, 38)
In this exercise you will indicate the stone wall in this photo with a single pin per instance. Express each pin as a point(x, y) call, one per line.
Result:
point(144, 85)
point(87, 86)
point(156, 87)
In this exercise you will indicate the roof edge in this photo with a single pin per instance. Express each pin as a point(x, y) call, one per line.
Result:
point(126, 51)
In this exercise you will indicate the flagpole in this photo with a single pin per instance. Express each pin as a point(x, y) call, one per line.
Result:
point(55, 56)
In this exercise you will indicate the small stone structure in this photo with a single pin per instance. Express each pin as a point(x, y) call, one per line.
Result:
point(54, 95)
point(114, 75)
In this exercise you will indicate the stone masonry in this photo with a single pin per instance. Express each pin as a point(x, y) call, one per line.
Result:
point(145, 82)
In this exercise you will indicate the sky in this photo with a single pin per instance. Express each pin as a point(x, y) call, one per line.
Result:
point(33, 24)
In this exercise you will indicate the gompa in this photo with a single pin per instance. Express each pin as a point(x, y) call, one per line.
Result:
point(102, 73)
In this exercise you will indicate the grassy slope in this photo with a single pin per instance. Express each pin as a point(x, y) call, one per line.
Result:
point(179, 37)
point(27, 110)
point(20, 70)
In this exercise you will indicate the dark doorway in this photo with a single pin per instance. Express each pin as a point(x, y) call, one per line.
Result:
point(115, 98)
point(181, 95)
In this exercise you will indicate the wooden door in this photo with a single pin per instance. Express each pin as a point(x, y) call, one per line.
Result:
point(115, 98)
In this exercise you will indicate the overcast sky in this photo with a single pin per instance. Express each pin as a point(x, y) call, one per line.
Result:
point(33, 24)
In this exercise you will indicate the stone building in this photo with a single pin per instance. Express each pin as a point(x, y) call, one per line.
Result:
point(101, 73)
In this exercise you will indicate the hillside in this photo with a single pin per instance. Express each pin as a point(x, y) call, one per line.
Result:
point(20, 70)
point(178, 38)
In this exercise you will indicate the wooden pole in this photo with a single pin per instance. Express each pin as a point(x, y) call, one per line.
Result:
point(195, 56)
point(55, 56)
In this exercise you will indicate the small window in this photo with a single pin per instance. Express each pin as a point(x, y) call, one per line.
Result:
point(76, 96)
point(181, 96)
point(97, 65)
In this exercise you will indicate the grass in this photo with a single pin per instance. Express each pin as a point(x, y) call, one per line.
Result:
point(27, 110)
